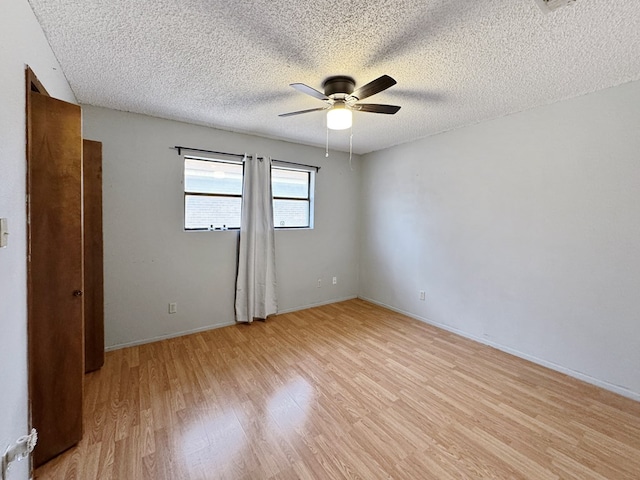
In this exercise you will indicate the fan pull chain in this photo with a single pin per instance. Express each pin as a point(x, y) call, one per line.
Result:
point(351, 148)
point(327, 151)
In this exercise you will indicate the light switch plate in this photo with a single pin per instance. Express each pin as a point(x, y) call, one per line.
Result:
point(4, 232)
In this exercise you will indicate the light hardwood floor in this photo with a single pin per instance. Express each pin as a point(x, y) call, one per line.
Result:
point(348, 390)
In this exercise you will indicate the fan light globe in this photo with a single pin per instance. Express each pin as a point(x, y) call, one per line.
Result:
point(339, 118)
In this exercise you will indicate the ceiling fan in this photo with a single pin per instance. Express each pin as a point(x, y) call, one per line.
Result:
point(341, 98)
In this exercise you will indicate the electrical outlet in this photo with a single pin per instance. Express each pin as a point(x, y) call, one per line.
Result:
point(173, 307)
point(319, 282)
point(335, 280)
point(422, 295)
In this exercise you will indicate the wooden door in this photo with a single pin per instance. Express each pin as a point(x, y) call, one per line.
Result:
point(93, 277)
point(55, 275)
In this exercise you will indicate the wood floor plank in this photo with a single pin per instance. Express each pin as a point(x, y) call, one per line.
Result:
point(348, 390)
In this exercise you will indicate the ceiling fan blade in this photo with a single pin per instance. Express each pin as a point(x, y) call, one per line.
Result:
point(376, 86)
point(301, 87)
point(299, 112)
point(376, 108)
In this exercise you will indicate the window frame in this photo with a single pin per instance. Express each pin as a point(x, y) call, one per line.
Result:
point(203, 194)
point(310, 198)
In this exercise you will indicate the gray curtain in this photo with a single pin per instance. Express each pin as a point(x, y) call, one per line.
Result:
point(256, 280)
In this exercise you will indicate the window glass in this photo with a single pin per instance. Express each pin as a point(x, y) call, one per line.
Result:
point(290, 213)
point(289, 183)
point(201, 176)
point(215, 213)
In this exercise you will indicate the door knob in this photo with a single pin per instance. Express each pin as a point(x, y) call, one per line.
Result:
point(77, 293)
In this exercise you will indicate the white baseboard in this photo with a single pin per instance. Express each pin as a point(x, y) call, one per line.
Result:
point(625, 392)
point(218, 325)
point(164, 337)
point(319, 304)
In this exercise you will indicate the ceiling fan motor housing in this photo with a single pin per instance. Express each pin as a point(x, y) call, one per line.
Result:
point(340, 84)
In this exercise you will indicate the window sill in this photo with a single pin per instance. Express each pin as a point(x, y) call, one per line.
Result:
point(206, 230)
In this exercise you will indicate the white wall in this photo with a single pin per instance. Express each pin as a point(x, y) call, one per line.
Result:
point(524, 232)
point(150, 261)
point(23, 43)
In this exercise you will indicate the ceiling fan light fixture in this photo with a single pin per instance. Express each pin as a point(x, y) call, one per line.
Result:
point(339, 117)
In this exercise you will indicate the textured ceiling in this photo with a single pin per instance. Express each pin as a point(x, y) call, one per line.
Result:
point(228, 64)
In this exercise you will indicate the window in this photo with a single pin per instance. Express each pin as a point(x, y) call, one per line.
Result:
point(291, 189)
point(213, 195)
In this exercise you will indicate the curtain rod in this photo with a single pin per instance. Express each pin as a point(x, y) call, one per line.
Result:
point(241, 155)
